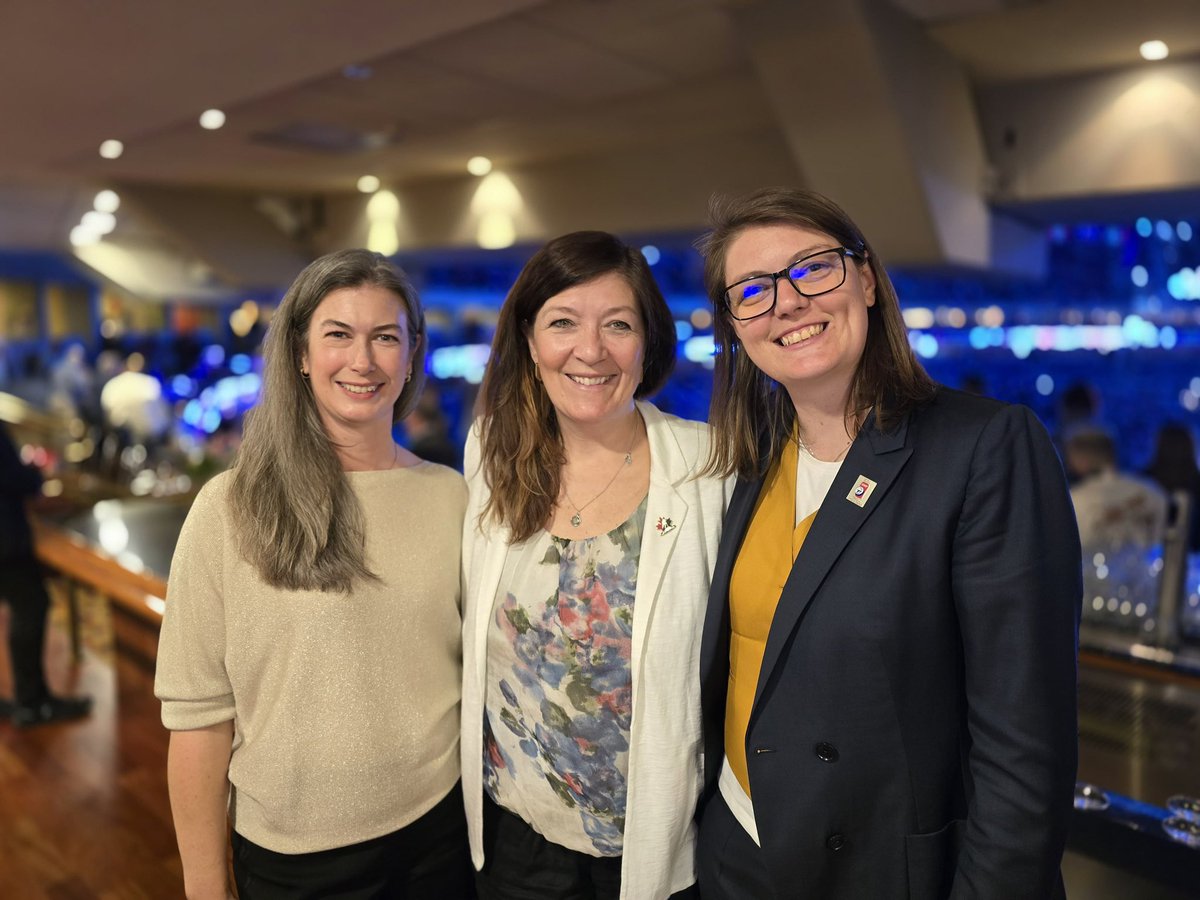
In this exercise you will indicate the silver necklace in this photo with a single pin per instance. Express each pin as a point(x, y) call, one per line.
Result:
point(577, 519)
point(807, 449)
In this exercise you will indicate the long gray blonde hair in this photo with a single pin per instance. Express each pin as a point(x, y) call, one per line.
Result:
point(296, 517)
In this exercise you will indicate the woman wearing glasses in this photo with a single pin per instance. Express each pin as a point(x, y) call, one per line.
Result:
point(588, 547)
point(888, 662)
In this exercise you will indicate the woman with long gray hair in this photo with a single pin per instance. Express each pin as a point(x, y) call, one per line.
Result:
point(309, 662)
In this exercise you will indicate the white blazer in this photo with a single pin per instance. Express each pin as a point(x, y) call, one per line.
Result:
point(679, 548)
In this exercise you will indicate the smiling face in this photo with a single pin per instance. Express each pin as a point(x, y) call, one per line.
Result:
point(808, 344)
point(588, 343)
point(358, 357)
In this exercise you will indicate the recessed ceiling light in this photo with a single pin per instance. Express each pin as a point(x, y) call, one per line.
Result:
point(112, 149)
point(1153, 50)
point(107, 202)
point(479, 165)
point(212, 119)
point(82, 236)
point(368, 184)
point(99, 222)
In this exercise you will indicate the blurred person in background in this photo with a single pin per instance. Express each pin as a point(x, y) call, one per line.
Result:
point(888, 666)
point(73, 386)
point(133, 403)
point(428, 432)
point(23, 588)
point(1174, 469)
point(1113, 508)
point(309, 664)
point(588, 546)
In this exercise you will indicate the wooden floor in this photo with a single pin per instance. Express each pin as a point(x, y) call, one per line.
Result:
point(83, 805)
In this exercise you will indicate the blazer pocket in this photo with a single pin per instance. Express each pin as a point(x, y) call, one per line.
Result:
point(932, 858)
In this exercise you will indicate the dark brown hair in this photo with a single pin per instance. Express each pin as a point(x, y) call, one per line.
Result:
point(750, 413)
point(520, 443)
point(298, 521)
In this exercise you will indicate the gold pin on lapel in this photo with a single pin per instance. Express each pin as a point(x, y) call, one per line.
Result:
point(861, 492)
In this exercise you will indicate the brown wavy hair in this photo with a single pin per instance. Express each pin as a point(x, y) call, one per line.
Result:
point(751, 415)
point(520, 443)
point(296, 516)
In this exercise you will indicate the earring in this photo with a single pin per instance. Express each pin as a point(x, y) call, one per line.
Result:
point(537, 373)
point(304, 373)
point(408, 377)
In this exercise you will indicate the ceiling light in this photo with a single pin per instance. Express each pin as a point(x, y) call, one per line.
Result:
point(479, 165)
point(383, 207)
point(111, 149)
point(107, 202)
point(496, 231)
point(368, 184)
point(212, 119)
point(99, 222)
point(82, 236)
point(1152, 50)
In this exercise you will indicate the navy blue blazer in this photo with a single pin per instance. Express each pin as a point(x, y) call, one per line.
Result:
point(913, 733)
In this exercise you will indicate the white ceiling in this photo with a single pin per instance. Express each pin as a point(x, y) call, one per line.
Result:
point(533, 84)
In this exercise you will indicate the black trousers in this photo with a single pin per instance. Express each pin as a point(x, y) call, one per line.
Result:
point(426, 860)
point(729, 865)
point(520, 864)
point(22, 585)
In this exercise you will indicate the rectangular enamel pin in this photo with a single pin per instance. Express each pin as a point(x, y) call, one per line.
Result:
point(861, 492)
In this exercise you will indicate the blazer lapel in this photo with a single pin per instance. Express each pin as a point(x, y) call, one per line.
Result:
point(666, 511)
point(874, 462)
point(484, 594)
point(714, 645)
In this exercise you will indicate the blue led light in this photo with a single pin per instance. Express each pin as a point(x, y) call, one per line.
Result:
point(652, 254)
point(699, 349)
point(1045, 385)
point(192, 413)
point(683, 330)
point(927, 346)
point(240, 364)
point(1145, 227)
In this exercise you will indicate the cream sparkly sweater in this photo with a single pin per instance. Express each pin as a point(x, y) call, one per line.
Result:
point(345, 707)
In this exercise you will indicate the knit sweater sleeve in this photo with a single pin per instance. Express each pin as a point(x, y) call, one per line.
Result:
point(191, 680)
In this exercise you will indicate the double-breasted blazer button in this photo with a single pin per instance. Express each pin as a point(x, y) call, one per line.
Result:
point(835, 842)
point(826, 752)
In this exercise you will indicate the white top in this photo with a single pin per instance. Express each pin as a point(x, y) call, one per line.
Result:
point(674, 574)
point(559, 686)
point(1116, 510)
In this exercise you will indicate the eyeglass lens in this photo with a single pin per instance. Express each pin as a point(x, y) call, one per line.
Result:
point(813, 275)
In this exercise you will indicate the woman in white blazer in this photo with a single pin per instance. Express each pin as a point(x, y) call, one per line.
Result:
point(588, 548)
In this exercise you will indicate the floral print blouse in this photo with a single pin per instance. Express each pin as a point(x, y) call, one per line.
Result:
point(559, 686)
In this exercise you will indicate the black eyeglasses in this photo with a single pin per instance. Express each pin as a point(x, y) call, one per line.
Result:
point(812, 275)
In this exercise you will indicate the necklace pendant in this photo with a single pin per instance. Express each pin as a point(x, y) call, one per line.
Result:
point(576, 520)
